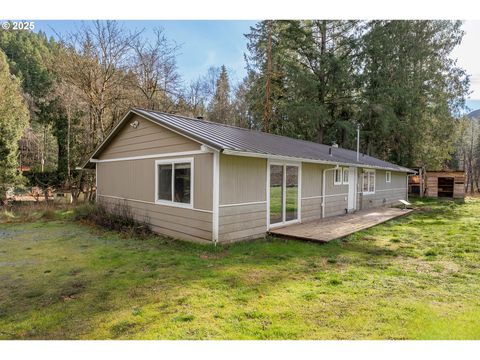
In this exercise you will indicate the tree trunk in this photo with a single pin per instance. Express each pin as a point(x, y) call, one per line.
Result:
point(268, 105)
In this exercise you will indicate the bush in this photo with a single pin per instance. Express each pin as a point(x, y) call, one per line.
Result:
point(118, 217)
point(48, 214)
point(83, 212)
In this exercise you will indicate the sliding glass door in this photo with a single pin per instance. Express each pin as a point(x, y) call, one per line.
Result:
point(284, 193)
point(276, 194)
point(291, 191)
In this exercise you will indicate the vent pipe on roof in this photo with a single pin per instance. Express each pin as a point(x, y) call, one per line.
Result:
point(330, 151)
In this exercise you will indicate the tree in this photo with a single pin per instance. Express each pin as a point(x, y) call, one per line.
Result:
point(13, 121)
point(95, 61)
point(30, 56)
point(412, 91)
point(155, 69)
point(220, 108)
point(242, 116)
point(266, 71)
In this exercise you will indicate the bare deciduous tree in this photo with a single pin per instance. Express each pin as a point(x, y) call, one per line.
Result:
point(155, 69)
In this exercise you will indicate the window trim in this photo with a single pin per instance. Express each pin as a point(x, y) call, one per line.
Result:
point(335, 182)
point(388, 179)
point(368, 171)
point(173, 161)
point(347, 170)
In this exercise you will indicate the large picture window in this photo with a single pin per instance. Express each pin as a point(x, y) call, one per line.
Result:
point(368, 182)
point(174, 182)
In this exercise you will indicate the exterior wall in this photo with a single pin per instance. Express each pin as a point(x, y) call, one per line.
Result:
point(386, 194)
point(432, 183)
point(132, 182)
point(311, 206)
point(336, 196)
point(243, 198)
point(147, 139)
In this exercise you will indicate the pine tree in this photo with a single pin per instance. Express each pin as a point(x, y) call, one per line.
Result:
point(220, 109)
point(412, 91)
point(13, 121)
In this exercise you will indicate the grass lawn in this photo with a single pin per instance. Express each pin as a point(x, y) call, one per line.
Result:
point(413, 278)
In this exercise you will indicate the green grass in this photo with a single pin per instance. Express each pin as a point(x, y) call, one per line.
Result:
point(276, 200)
point(413, 278)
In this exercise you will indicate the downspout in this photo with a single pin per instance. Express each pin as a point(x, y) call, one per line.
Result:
point(216, 196)
point(323, 188)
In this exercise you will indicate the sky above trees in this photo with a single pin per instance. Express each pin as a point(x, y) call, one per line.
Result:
point(203, 43)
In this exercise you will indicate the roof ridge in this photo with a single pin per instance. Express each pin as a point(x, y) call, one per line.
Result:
point(238, 127)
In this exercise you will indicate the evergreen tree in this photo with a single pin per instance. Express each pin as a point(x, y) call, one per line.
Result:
point(412, 91)
point(13, 121)
point(220, 109)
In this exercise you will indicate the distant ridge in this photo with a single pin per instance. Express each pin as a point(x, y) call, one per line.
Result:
point(474, 114)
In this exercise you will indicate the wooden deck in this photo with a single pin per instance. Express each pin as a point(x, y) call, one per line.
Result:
point(336, 227)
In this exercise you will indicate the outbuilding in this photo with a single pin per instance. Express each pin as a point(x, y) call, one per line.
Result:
point(438, 184)
point(209, 182)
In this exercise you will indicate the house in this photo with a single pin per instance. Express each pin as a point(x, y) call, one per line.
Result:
point(208, 182)
point(437, 184)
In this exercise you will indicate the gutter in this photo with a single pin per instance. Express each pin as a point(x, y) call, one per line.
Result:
point(295, 159)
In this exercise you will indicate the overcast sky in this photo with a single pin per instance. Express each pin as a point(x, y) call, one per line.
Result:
point(215, 43)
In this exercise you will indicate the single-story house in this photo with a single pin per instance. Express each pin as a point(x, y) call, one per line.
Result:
point(209, 182)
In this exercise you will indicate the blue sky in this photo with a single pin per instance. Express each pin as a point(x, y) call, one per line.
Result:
point(204, 43)
point(208, 43)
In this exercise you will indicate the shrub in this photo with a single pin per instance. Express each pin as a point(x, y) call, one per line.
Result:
point(48, 214)
point(118, 217)
point(83, 212)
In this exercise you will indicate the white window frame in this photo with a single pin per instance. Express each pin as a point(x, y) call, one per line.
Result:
point(192, 181)
point(299, 199)
point(345, 170)
point(368, 171)
point(388, 176)
point(335, 182)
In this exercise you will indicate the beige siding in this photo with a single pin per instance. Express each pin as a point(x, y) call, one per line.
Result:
point(336, 196)
point(242, 222)
point(180, 223)
point(311, 209)
point(312, 175)
point(147, 139)
point(135, 180)
point(386, 194)
point(311, 180)
point(242, 179)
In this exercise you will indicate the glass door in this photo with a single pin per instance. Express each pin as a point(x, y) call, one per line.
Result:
point(284, 193)
point(291, 191)
point(276, 194)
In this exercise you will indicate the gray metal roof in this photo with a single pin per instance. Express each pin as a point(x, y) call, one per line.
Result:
point(230, 138)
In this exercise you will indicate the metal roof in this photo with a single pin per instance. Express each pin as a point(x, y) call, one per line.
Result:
point(232, 139)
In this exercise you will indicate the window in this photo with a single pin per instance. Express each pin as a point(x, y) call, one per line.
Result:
point(174, 182)
point(345, 176)
point(368, 182)
point(388, 176)
point(337, 176)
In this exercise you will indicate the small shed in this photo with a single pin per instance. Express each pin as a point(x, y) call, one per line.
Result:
point(438, 184)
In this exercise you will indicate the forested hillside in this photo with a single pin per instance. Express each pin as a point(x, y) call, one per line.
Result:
point(314, 79)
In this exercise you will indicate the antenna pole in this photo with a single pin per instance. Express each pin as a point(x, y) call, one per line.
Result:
point(358, 142)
